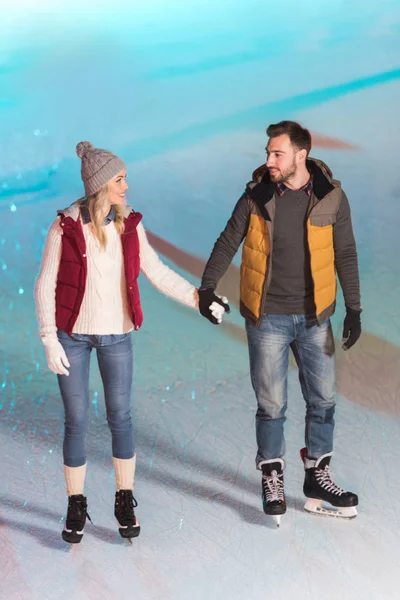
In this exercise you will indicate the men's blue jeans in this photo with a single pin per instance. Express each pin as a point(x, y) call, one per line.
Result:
point(314, 351)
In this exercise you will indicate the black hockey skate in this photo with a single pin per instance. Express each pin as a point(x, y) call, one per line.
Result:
point(319, 487)
point(273, 496)
point(76, 519)
point(125, 504)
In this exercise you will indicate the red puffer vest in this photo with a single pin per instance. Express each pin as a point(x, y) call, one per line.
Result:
point(71, 280)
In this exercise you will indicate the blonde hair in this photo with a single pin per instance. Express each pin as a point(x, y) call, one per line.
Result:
point(95, 204)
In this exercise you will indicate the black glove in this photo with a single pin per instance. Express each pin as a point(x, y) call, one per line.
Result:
point(206, 298)
point(351, 328)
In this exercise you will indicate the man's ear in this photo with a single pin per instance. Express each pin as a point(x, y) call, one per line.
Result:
point(302, 154)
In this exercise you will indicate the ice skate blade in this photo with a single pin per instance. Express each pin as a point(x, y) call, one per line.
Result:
point(341, 512)
point(276, 519)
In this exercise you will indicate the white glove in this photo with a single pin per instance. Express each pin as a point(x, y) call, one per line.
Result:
point(57, 360)
point(217, 310)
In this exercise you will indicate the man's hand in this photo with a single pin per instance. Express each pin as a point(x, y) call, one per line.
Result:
point(212, 306)
point(351, 328)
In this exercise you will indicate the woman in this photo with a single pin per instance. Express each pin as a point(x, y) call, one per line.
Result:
point(87, 298)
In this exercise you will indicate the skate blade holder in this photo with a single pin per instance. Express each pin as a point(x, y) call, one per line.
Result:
point(276, 519)
point(316, 508)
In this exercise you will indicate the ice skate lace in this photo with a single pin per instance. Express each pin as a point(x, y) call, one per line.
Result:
point(273, 487)
point(127, 502)
point(77, 512)
point(324, 479)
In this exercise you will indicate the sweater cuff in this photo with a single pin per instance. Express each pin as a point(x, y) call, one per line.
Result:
point(48, 338)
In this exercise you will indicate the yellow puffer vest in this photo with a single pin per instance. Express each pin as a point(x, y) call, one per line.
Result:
point(257, 249)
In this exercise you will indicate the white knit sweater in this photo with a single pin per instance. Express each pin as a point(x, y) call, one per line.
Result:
point(104, 308)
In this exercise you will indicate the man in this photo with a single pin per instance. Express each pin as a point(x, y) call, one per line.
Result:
point(295, 221)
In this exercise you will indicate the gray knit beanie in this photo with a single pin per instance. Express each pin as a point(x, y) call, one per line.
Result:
point(98, 166)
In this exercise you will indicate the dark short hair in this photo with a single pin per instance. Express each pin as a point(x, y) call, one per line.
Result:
point(299, 137)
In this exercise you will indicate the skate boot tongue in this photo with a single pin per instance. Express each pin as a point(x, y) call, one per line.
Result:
point(276, 465)
point(323, 461)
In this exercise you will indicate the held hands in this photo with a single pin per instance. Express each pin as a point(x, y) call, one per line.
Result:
point(57, 360)
point(351, 328)
point(212, 306)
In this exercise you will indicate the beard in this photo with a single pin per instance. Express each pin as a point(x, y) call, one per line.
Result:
point(283, 176)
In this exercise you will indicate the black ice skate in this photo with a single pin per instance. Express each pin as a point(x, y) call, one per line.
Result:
point(125, 504)
point(76, 519)
point(319, 487)
point(273, 496)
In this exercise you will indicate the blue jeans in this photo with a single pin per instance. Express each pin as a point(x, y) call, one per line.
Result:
point(314, 350)
point(115, 359)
